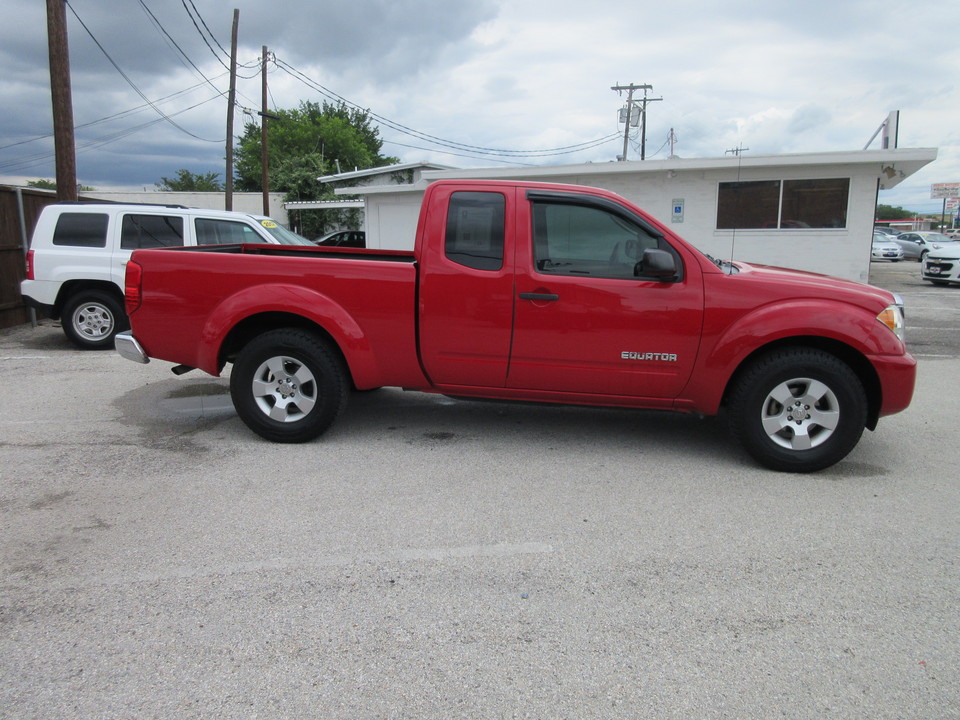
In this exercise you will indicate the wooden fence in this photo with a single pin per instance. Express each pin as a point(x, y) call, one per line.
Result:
point(19, 210)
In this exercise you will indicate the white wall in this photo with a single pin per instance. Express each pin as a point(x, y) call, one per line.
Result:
point(246, 202)
point(390, 221)
point(392, 218)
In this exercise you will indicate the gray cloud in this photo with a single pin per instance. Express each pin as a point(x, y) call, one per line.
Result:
point(815, 76)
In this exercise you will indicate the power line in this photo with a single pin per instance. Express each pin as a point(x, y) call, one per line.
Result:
point(120, 114)
point(94, 143)
point(455, 154)
point(204, 37)
point(131, 83)
point(476, 149)
point(212, 36)
point(180, 50)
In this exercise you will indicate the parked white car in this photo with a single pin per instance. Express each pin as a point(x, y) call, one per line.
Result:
point(79, 252)
point(942, 266)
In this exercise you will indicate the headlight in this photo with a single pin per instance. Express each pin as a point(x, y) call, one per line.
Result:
point(892, 317)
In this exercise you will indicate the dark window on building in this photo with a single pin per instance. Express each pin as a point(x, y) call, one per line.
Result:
point(751, 204)
point(785, 205)
point(150, 231)
point(81, 230)
point(815, 203)
point(224, 232)
point(475, 230)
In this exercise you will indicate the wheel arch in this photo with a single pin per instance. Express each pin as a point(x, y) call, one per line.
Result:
point(255, 325)
point(70, 288)
point(860, 365)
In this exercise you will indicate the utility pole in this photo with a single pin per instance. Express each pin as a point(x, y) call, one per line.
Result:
point(231, 100)
point(60, 93)
point(643, 121)
point(629, 115)
point(631, 105)
point(264, 173)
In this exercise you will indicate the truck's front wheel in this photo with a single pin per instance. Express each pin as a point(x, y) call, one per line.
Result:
point(288, 385)
point(798, 409)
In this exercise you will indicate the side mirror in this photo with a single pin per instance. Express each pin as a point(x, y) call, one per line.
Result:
point(656, 263)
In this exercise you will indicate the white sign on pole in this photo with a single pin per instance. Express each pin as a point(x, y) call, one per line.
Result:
point(944, 190)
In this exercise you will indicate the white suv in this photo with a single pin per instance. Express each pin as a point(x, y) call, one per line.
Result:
point(79, 252)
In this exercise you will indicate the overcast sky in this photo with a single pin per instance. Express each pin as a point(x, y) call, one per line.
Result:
point(454, 79)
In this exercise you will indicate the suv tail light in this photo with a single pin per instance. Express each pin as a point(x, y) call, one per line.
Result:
point(131, 286)
point(30, 275)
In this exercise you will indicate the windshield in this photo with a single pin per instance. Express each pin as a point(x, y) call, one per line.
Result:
point(938, 238)
point(282, 235)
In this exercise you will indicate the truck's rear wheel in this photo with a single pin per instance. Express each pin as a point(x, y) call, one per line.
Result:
point(288, 385)
point(798, 409)
point(92, 318)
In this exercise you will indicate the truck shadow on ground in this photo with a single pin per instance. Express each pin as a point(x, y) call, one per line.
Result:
point(389, 419)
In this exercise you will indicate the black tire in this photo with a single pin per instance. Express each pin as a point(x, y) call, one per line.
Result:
point(91, 319)
point(289, 385)
point(798, 409)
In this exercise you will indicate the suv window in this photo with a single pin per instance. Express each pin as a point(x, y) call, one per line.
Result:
point(150, 231)
point(224, 232)
point(475, 229)
point(579, 240)
point(81, 230)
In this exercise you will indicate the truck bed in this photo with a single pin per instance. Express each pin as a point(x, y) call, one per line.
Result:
point(367, 297)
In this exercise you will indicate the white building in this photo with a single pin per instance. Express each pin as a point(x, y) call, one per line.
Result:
point(805, 211)
point(245, 202)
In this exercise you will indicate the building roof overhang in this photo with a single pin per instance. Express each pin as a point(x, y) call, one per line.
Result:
point(354, 175)
point(889, 166)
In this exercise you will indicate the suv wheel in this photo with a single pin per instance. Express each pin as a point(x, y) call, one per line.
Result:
point(91, 319)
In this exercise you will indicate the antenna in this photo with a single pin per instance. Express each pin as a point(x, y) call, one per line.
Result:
point(738, 151)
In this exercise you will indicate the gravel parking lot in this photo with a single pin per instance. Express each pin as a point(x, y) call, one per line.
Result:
point(432, 558)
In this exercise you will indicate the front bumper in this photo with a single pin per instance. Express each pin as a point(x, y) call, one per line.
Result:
point(898, 377)
point(129, 348)
point(941, 269)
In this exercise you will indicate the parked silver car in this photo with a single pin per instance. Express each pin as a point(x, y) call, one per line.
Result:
point(884, 248)
point(919, 244)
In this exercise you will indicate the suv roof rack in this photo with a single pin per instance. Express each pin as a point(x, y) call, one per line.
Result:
point(114, 202)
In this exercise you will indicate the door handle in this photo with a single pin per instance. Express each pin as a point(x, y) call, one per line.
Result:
point(542, 297)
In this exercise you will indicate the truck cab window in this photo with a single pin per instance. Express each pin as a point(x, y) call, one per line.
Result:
point(571, 239)
point(475, 230)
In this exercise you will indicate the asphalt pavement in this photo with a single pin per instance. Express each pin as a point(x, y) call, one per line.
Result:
point(431, 558)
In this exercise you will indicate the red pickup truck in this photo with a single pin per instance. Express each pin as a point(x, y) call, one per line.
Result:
point(531, 292)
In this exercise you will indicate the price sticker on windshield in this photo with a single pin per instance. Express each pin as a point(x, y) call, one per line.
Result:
point(268, 223)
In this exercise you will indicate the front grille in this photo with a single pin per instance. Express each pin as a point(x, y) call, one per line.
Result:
point(935, 269)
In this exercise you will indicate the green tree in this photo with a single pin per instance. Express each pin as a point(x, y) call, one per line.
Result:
point(306, 143)
point(186, 181)
point(43, 184)
point(889, 212)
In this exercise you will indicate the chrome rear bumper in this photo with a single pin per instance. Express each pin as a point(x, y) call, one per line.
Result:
point(129, 348)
